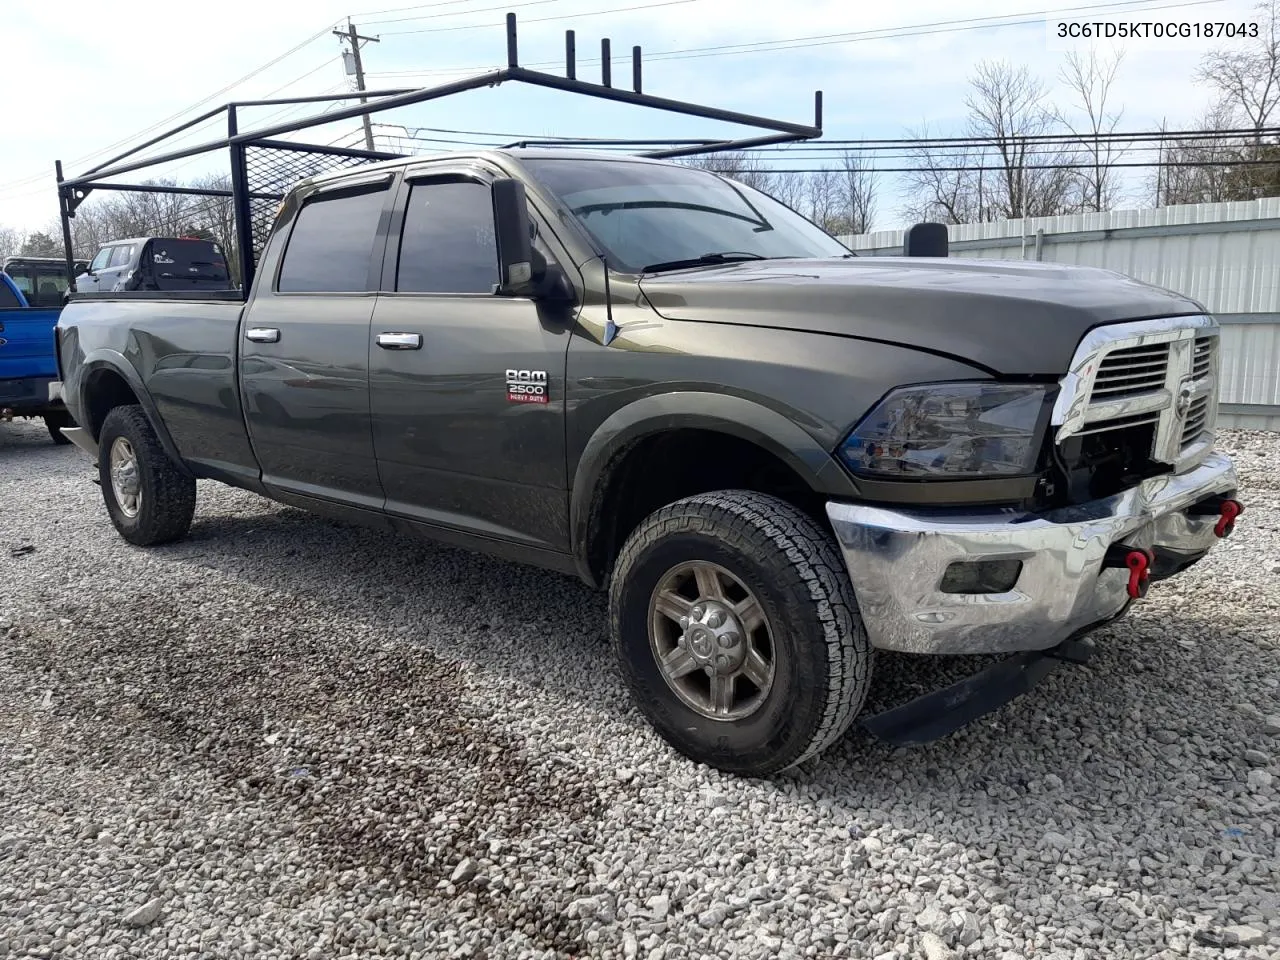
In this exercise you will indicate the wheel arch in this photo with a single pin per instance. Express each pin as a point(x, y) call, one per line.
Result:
point(108, 381)
point(604, 460)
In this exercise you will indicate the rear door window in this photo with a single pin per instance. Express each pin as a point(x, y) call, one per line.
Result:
point(21, 276)
point(331, 245)
point(51, 284)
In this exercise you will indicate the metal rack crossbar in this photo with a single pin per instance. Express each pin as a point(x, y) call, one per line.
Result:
point(264, 167)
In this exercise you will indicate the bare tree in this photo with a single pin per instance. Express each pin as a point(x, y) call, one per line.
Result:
point(1004, 172)
point(941, 183)
point(737, 165)
point(1006, 108)
point(10, 241)
point(824, 204)
point(1247, 76)
point(858, 191)
point(1220, 167)
point(1090, 79)
point(1198, 170)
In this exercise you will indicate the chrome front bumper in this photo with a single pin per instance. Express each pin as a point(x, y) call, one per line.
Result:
point(897, 561)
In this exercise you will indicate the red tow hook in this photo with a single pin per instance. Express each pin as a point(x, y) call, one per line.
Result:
point(1137, 561)
point(1227, 514)
point(1139, 564)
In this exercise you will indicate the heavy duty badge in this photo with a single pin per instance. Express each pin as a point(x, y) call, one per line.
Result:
point(527, 386)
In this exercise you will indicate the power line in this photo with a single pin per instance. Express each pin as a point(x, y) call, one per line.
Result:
point(199, 103)
point(420, 6)
point(436, 16)
point(563, 16)
point(858, 36)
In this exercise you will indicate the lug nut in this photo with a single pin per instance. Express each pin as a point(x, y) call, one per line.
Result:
point(729, 640)
point(709, 670)
point(722, 662)
point(716, 618)
point(698, 611)
point(684, 623)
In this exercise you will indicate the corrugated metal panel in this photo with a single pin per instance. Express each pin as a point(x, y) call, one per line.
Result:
point(1250, 361)
point(1081, 222)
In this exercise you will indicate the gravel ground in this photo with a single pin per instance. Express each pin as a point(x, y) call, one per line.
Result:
point(288, 738)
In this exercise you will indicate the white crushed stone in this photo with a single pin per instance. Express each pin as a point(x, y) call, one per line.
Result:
point(289, 738)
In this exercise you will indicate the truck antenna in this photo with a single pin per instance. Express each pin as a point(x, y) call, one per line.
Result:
point(610, 328)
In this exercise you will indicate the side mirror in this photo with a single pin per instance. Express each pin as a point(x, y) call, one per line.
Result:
point(515, 250)
point(926, 240)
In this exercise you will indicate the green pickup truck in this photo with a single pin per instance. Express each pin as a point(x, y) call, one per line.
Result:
point(777, 458)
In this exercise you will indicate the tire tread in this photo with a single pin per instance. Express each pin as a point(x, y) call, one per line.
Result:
point(169, 500)
point(812, 563)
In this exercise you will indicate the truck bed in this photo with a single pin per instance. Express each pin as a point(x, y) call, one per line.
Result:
point(182, 353)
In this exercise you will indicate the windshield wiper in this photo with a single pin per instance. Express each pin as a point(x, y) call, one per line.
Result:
point(731, 256)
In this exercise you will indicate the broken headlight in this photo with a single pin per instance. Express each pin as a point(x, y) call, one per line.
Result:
point(950, 431)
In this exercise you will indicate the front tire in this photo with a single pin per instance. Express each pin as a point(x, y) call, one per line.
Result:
point(737, 631)
point(149, 500)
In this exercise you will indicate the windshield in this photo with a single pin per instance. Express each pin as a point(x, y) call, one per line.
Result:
point(178, 259)
point(643, 214)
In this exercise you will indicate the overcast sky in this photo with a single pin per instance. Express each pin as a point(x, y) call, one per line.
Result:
point(97, 77)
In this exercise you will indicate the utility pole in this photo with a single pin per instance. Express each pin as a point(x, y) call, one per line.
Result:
point(354, 39)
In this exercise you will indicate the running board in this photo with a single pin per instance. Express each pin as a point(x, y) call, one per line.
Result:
point(82, 439)
point(942, 712)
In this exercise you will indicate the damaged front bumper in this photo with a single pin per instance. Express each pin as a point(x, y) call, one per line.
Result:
point(1072, 569)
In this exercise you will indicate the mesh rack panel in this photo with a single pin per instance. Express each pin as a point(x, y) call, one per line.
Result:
point(273, 171)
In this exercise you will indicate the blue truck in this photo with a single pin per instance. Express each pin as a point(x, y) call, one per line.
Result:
point(28, 360)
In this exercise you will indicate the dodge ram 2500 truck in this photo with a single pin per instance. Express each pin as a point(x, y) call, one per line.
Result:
point(776, 457)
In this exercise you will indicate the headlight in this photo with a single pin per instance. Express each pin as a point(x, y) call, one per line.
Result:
point(950, 430)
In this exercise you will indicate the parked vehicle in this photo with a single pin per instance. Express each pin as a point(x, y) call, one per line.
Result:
point(156, 263)
point(42, 280)
point(777, 458)
point(28, 364)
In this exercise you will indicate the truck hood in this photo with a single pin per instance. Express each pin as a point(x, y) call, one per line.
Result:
point(1010, 316)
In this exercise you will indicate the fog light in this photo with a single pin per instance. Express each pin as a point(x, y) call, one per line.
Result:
point(981, 576)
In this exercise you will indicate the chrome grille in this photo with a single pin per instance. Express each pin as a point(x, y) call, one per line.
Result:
point(1132, 370)
point(1202, 359)
point(1159, 373)
point(1197, 419)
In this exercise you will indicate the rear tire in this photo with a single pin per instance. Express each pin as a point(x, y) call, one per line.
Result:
point(54, 422)
point(739, 566)
point(148, 498)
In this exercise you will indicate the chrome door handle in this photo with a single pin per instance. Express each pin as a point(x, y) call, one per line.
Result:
point(400, 341)
point(262, 334)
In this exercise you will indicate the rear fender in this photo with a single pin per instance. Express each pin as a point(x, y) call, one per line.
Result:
point(104, 360)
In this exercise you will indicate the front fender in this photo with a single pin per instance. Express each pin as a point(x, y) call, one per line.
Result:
point(103, 360)
point(693, 409)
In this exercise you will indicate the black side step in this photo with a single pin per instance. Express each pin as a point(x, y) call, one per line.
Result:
point(942, 712)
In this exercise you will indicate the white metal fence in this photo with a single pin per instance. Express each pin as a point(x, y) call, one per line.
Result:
point(1225, 255)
